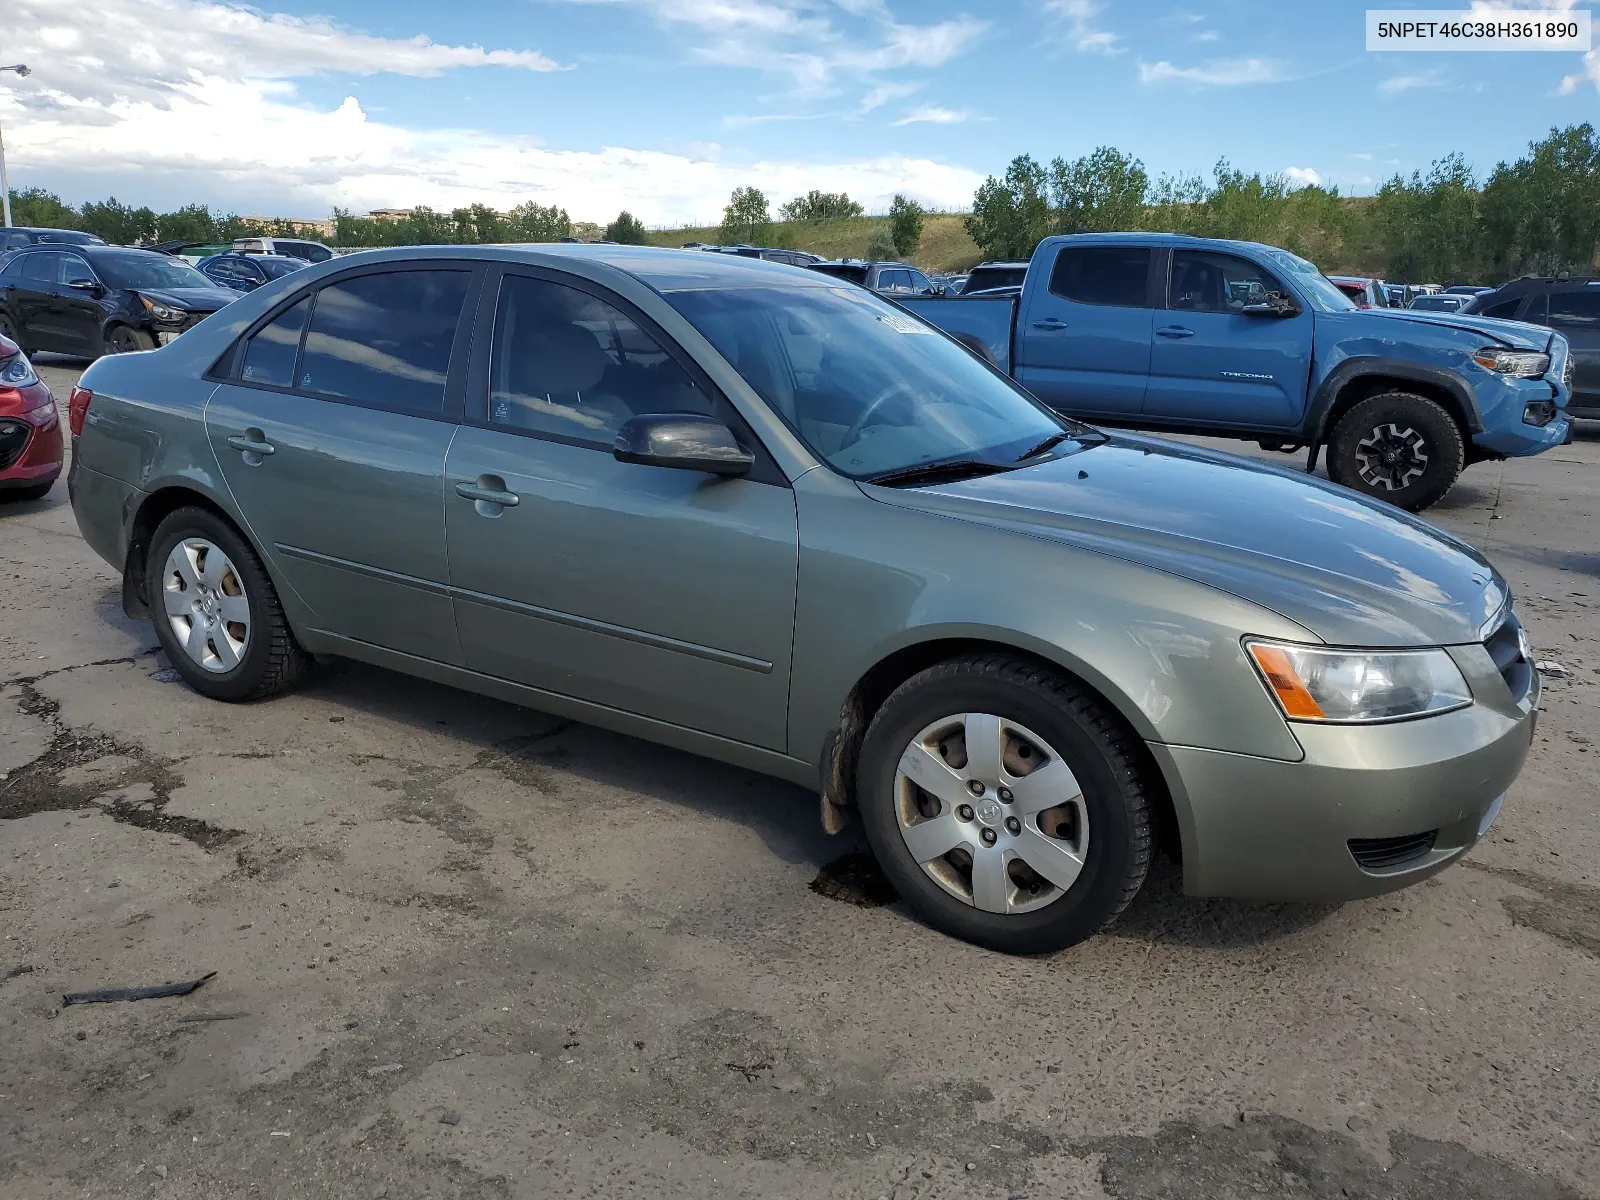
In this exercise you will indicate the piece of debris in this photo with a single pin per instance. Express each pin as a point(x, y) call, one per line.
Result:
point(214, 1016)
point(872, 1141)
point(386, 1069)
point(160, 1171)
point(280, 1133)
point(1550, 667)
point(449, 1118)
point(22, 969)
point(111, 995)
point(167, 675)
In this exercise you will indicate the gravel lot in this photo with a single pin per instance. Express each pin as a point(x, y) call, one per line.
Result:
point(464, 949)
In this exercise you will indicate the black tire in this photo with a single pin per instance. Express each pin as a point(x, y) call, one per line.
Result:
point(9, 329)
point(272, 660)
point(1088, 738)
point(124, 339)
point(1418, 431)
point(21, 495)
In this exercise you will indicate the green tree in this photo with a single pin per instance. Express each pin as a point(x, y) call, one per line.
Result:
point(746, 220)
point(35, 206)
point(118, 223)
point(1100, 192)
point(1427, 227)
point(1541, 214)
point(626, 229)
point(532, 222)
point(191, 223)
point(880, 245)
point(1010, 216)
point(819, 206)
point(905, 224)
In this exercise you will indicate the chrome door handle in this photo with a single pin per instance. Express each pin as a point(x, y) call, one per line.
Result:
point(488, 495)
point(1175, 331)
point(255, 449)
point(1050, 323)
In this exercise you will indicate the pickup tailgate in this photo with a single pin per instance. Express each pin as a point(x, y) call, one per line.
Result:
point(984, 321)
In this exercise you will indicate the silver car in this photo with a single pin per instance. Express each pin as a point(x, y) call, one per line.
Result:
point(747, 510)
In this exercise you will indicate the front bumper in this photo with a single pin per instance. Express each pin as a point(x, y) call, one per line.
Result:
point(1504, 403)
point(1266, 829)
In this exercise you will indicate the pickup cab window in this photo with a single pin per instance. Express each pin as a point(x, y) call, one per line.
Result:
point(1111, 275)
point(1204, 281)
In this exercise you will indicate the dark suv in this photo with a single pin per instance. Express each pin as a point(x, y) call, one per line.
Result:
point(1568, 304)
point(888, 278)
point(14, 237)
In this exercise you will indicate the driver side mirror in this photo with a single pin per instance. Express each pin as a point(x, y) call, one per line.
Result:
point(87, 285)
point(682, 441)
point(1275, 304)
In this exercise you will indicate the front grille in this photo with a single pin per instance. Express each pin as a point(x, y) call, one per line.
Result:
point(1382, 854)
point(13, 439)
point(1505, 646)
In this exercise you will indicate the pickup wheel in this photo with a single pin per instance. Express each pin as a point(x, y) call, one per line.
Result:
point(1005, 803)
point(1399, 447)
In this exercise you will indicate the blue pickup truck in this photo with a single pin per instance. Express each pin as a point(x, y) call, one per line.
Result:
point(1237, 339)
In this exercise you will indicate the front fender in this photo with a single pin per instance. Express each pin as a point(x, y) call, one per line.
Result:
point(1452, 383)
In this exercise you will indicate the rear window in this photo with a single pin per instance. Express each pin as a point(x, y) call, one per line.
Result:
point(1505, 310)
point(1575, 310)
point(848, 272)
point(385, 339)
point(269, 356)
point(995, 277)
point(1114, 275)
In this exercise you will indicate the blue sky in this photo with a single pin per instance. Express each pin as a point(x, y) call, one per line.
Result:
point(661, 106)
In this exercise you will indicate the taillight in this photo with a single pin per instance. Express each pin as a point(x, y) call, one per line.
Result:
point(78, 409)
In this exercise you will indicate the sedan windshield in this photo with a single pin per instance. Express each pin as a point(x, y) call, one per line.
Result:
point(867, 387)
point(143, 269)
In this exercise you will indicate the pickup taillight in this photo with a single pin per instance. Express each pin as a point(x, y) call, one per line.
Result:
point(78, 409)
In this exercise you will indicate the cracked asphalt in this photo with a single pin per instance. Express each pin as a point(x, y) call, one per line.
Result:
point(468, 950)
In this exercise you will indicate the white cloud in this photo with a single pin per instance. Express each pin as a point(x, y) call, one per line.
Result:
point(1361, 155)
point(117, 103)
point(1302, 176)
point(1590, 73)
point(1219, 72)
point(933, 114)
point(1082, 30)
point(1405, 83)
point(885, 92)
point(1208, 35)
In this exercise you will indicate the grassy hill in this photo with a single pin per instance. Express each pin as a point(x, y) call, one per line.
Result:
point(945, 244)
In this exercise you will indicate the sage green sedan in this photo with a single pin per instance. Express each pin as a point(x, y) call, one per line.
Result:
point(749, 511)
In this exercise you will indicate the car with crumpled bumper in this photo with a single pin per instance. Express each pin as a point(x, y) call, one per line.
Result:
point(763, 515)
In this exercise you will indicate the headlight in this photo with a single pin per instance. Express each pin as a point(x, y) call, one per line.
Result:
point(17, 372)
point(1519, 364)
point(161, 312)
point(1311, 683)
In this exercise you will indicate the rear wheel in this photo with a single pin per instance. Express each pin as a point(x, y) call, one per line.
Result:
point(124, 339)
point(216, 612)
point(1004, 803)
point(1398, 447)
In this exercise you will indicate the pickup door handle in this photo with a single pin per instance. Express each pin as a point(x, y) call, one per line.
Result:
point(1050, 323)
point(253, 445)
point(488, 495)
point(1174, 331)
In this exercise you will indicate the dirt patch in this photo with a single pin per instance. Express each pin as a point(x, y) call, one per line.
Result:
point(1568, 912)
point(855, 879)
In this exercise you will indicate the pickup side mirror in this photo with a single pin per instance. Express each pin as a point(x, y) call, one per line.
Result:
point(682, 441)
point(1274, 304)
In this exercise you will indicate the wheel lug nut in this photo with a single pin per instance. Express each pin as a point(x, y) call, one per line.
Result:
point(988, 836)
point(965, 812)
point(1005, 795)
point(1013, 826)
point(975, 786)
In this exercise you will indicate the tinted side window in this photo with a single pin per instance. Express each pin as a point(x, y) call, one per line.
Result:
point(1506, 309)
point(269, 356)
point(40, 268)
point(1206, 282)
point(1576, 310)
point(74, 270)
point(894, 281)
point(567, 363)
point(385, 339)
point(1101, 275)
point(919, 281)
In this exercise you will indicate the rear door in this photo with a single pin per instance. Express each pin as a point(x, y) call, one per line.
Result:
point(1083, 335)
point(34, 300)
point(1576, 315)
point(331, 434)
point(1213, 364)
point(665, 593)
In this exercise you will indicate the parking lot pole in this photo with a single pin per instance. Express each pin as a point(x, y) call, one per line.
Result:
point(5, 184)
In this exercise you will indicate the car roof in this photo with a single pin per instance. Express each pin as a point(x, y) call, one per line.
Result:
point(93, 249)
point(1540, 283)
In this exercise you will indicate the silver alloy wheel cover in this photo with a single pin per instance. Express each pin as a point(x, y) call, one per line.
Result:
point(1050, 786)
point(206, 607)
point(1392, 477)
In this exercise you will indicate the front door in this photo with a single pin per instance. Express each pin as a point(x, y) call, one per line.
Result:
point(77, 301)
point(1211, 363)
point(665, 593)
point(1083, 341)
point(332, 435)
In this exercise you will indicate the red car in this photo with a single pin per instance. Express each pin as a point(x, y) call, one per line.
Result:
point(30, 428)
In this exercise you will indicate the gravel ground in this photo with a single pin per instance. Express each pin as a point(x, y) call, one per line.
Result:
point(464, 949)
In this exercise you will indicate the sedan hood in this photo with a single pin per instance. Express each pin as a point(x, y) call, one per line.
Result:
point(1354, 572)
point(204, 300)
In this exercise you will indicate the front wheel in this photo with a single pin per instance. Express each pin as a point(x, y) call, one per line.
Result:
point(216, 612)
point(124, 339)
point(1005, 804)
point(1398, 447)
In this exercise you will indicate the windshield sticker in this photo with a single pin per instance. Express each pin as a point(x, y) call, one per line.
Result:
point(903, 324)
